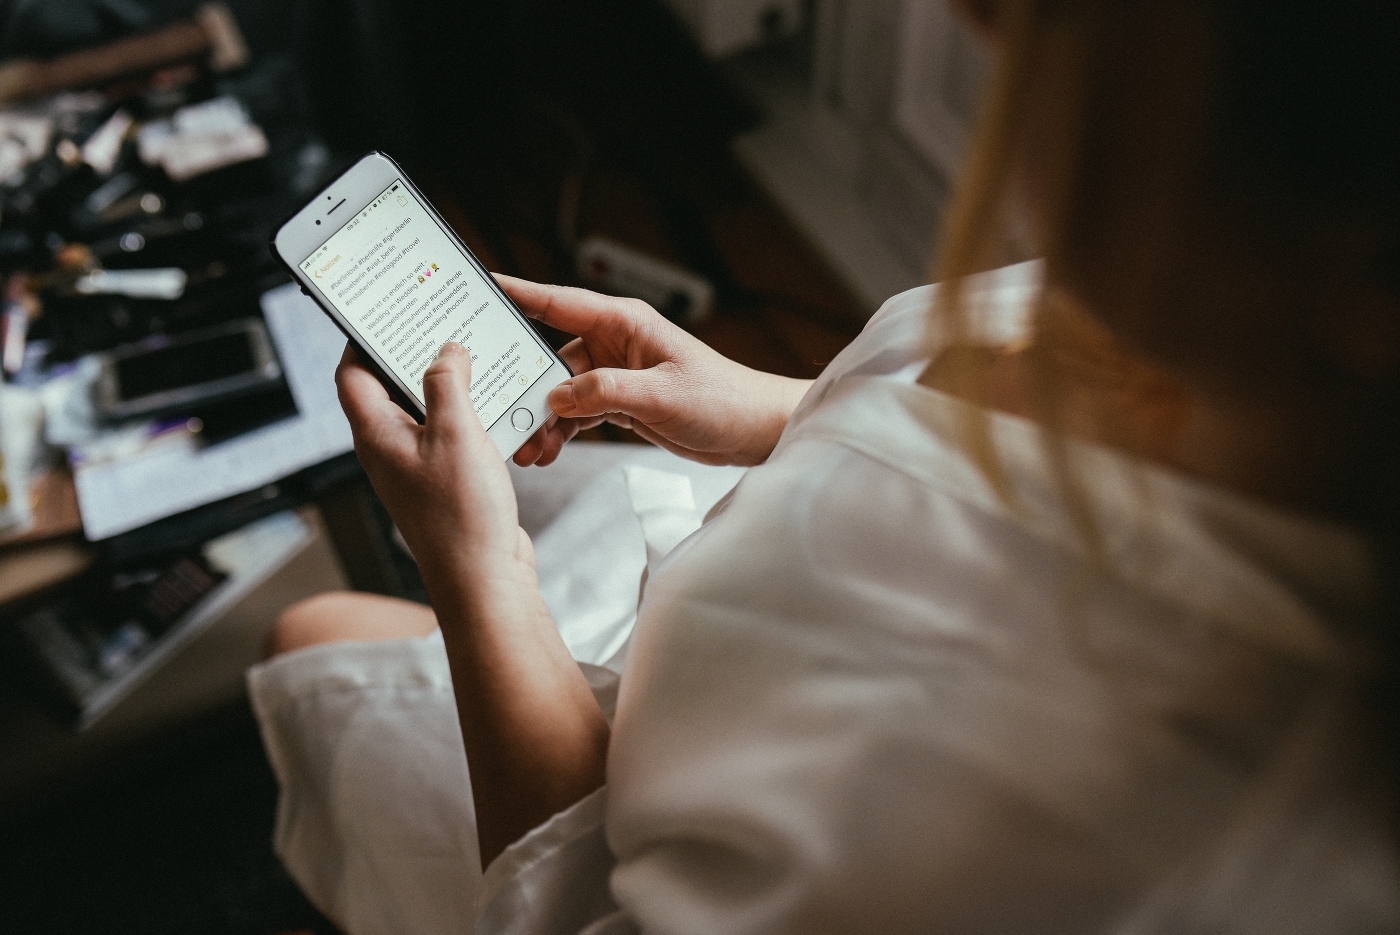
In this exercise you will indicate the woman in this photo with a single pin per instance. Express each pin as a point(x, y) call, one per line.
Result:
point(1083, 629)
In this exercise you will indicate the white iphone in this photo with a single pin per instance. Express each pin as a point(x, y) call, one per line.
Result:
point(383, 264)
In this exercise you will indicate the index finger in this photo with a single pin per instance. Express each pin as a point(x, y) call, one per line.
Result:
point(364, 398)
point(573, 310)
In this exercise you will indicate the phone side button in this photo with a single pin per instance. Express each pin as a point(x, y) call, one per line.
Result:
point(522, 419)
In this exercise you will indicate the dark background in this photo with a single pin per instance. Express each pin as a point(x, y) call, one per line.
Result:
point(504, 113)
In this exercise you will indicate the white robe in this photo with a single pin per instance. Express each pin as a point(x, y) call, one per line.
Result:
point(870, 694)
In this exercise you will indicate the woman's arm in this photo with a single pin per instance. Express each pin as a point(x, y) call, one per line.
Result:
point(535, 739)
point(634, 368)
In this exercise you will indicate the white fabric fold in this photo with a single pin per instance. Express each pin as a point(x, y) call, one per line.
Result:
point(867, 695)
point(382, 839)
point(375, 818)
point(520, 894)
point(664, 505)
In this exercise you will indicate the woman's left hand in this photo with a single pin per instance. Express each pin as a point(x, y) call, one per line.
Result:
point(443, 482)
point(535, 739)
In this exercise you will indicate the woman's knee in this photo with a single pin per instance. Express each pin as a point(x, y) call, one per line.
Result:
point(309, 621)
point(336, 616)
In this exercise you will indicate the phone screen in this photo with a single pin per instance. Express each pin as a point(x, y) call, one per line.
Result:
point(186, 364)
point(407, 289)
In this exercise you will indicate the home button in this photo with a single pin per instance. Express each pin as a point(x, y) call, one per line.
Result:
point(522, 419)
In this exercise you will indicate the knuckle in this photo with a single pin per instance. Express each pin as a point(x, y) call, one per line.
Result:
point(600, 387)
point(637, 310)
point(545, 308)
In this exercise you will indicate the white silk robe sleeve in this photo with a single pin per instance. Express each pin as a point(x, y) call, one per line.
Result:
point(871, 696)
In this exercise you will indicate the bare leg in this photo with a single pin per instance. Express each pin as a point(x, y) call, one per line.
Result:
point(346, 615)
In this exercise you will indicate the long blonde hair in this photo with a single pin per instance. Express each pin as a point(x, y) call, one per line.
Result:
point(1309, 102)
point(970, 244)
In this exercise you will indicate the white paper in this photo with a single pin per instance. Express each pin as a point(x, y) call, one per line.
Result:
point(221, 115)
point(184, 156)
point(172, 474)
point(23, 138)
point(163, 283)
point(151, 140)
point(103, 147)
point(202, 138)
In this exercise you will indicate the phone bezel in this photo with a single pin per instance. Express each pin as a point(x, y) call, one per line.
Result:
point(346, 196)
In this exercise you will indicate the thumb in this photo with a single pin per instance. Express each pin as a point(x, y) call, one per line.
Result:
point(641, 394)
point(447, 387)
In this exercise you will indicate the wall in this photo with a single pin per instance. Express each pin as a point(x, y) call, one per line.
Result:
point(863, 154)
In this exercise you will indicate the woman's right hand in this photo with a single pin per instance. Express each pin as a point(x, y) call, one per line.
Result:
point(635, 369)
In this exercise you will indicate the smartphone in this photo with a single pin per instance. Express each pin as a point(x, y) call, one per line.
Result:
point(174, 374)
point(382, 263)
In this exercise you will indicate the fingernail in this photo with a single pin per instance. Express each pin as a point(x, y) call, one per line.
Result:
point(561, 399)
point(451, 348)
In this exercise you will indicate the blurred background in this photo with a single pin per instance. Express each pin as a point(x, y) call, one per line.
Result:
point(764, 172)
